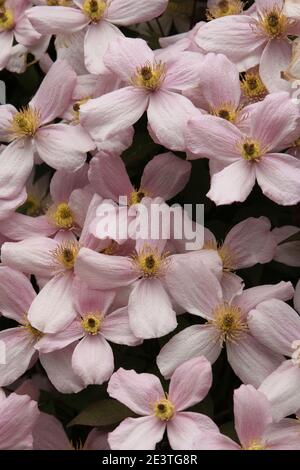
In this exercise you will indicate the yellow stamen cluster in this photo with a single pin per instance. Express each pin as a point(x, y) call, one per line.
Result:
point(6, 19)
point(149, 76)
point(32, 206)
point(94, 9)
point(297, 143)
point(25, 123)
point(225, 8)
point(34, 333)
point(65, 254)
point(164, 409)
point(150, 262)
point(111, 249)
point(250, 150)
point(252, 87)
point(223, 252)
point(76, 108)
point(91, 323)
point(228, 319)
point(59, 3)
point(137, 196)
point(226, 111)
point(62, 216)
point(274, 23)
point(256, 445)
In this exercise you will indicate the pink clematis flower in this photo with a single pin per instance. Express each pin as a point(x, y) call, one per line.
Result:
point(87, 336)
point(49, 434)
point(292, 8)
point(243, 157)
point(18, 415)
point(98, 18)
point(16, 297)
point(277, 326)
point(254, 426)
point(160, 411)
point(52, 260)
point(287, 252)
point(153, 273)
point(14, 24)
point(164, 176)
point(226, 324)
point(153, 80)
point(59, 145)
point(259, 38)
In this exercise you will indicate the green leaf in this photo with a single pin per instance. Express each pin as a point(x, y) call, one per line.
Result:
point(102, 413)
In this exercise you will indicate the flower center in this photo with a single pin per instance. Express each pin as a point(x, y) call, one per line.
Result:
point(65, 254)
point(149, 76)
point(225, 8)
point(226, 111)
point(25, 123)
point(253, 87)
point(256, 445)
point(150, 262)
point(94, 9)
point(6, 19)
point(164, 409)
point(91, 323)
point(250, 150)
point(36, 334)
point(137, 196)
point(296, 353)
point(76, 108)
point(228, 319)
point(274, 23)
point(32, 206)
point(59, 3)
point(62, 216)
point(223, 252)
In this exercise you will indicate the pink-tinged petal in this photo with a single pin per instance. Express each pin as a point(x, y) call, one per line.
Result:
point(183, 428)
point(213, 137)
point(19, 352)
point(52, 316)
point(97, 38)
point(252, 414)
point(125, 55)
point(31, 256)
point(16, 162)
point(214, 441)
point(7, 112)
point(8, 206)
point(115, 328)
point(278, 176)
point(113, 112)
point(292, 8)
point(235, 37)
point(25, 33)
point(202, 340)
point(58, 365)
point(127, 12)
point(93, 360)
point(182, 71)
point(232, 285)
point(6, 43)
point(90, 300)
point(63, 183)
point(151, 314)
point(275, 58)
point(19, 226)
point(282, 390)
point(233, 184)
point(63, 146)
point(49, 434)
point(16, 294)
point(283, 435)
point(288, 253)
point(53, 342)
point(219, 81)
point(297, 297)
point(190, 383)
point(251, 361)
point(139, 392)
point(86, 238)
point(168, 114)
point(79, 202)
point(55, 93)
point(108, 177)
point(165, 175)
point(253, 296)
point(251, 242)
point(101, 271)
point(18, 416)
point(199, 290)
point(56, 20)
point(282, 115)
point(276, 325)
point(137, 434)
point(96, 440)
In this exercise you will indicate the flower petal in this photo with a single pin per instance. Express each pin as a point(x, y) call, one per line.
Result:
point(137, 434)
